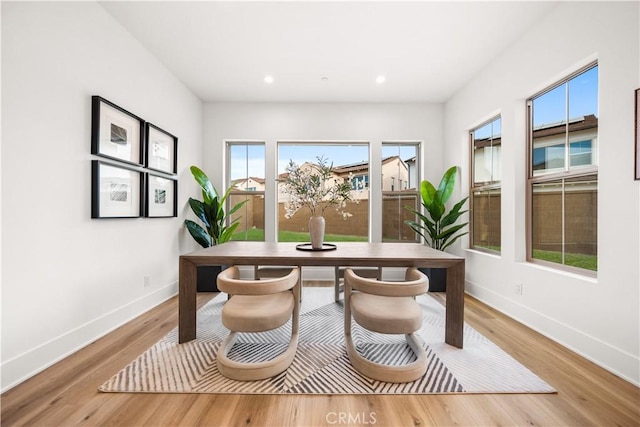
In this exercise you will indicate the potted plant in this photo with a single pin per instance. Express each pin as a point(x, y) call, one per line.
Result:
point(314, 186)
point(437, 226)
point(215, 227)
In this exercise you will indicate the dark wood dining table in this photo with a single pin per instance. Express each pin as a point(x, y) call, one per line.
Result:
point(355, 254)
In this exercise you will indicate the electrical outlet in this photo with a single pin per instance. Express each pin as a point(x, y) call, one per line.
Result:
point(518, 288)
point(147, 281)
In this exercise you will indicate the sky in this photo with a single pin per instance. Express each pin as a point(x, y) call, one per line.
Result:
point(249, 160)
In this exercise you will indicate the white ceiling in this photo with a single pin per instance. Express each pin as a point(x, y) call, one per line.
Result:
point(427, 50)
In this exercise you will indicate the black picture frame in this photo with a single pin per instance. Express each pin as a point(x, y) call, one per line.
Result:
point(637, 135)
point(161, 150)
point(116, 133)
point(161, 196)
point(116, 190)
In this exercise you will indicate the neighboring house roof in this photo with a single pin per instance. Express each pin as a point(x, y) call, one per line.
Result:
point(549, 129)
point(236, 182)
point(576, 124)
point(360, 166)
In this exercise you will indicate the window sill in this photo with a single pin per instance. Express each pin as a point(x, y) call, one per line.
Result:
point(561, 272)
point(489, 254)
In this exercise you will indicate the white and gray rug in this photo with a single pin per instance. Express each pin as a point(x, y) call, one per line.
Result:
point(321, 364)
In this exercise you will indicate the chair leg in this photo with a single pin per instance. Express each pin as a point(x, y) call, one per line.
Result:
point(337, 286)
point(260, 370)
point(391, 374)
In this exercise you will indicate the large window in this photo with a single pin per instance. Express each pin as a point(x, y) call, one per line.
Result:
point(351, 164)
point(400, 188)
point(563, 172)
point(246, 172)
point(486, 164)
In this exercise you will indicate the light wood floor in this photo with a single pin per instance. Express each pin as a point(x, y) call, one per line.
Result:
point(66, 394)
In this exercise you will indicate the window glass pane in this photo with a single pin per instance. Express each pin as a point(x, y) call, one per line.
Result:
point(496, 144)
point(486, 219)
point(583, 118)
point(581, 153)
point(250, 216)
point(485, 191)
point(482, 157)
point(546, 226)
point(246, 174)
point(564, 210)
point(487, 156)
point(581, 222)
point(550, 158)
point(549, 131)
point(565, 222)
point(399, 189)
point(348, 161)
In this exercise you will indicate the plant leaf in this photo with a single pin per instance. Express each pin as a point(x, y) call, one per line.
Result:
point(454, 213)
point(236, 207)
point(208, 190)
point(198, 233)
point(428, 192)
point(228, 232)
point(199, 210)
point(448, 182)
point(445, 234)
point(453, 240)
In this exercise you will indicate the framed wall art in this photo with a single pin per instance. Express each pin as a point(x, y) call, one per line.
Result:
point(637, 135)
point(116, 191)
point(161, 150)
point(116, 133)
point(161, 200)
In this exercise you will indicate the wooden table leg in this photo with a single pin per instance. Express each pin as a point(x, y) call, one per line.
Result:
point(455, 305)
point(187, 301)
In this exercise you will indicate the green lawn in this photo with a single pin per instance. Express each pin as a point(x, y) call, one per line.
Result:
point(589, 262)
point(256, 234)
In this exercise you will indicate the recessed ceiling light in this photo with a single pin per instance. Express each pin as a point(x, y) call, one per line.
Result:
point(380, 79)
point(268, 79)
point(324, 79)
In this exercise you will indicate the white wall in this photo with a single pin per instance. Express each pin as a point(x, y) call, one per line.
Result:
point(68, 279)
point(273, 122)
point(598, 318)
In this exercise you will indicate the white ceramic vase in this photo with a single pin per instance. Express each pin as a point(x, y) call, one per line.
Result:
point(316, 231)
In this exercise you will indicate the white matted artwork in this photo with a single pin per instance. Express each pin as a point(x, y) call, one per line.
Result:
point(116, 133)
point(161, 198)
point(161, 149)
point(116, 191)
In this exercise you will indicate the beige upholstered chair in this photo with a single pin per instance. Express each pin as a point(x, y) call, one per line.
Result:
point(258, 306)
point(370, 272)
point(271, 271)
point(386, 308)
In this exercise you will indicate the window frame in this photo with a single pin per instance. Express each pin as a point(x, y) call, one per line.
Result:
point(229, 180)
point(566, 174)
point(483, 186)
point(321, 142)
point(417, 145)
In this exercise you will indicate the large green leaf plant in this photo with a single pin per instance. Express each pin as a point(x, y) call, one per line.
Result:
point(438, 227)
point(211, 212)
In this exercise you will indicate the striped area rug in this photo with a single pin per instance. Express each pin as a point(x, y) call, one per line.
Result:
point(321, 365)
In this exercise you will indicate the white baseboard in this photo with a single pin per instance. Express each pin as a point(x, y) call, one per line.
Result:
point(28, 364)
point(613, 359)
